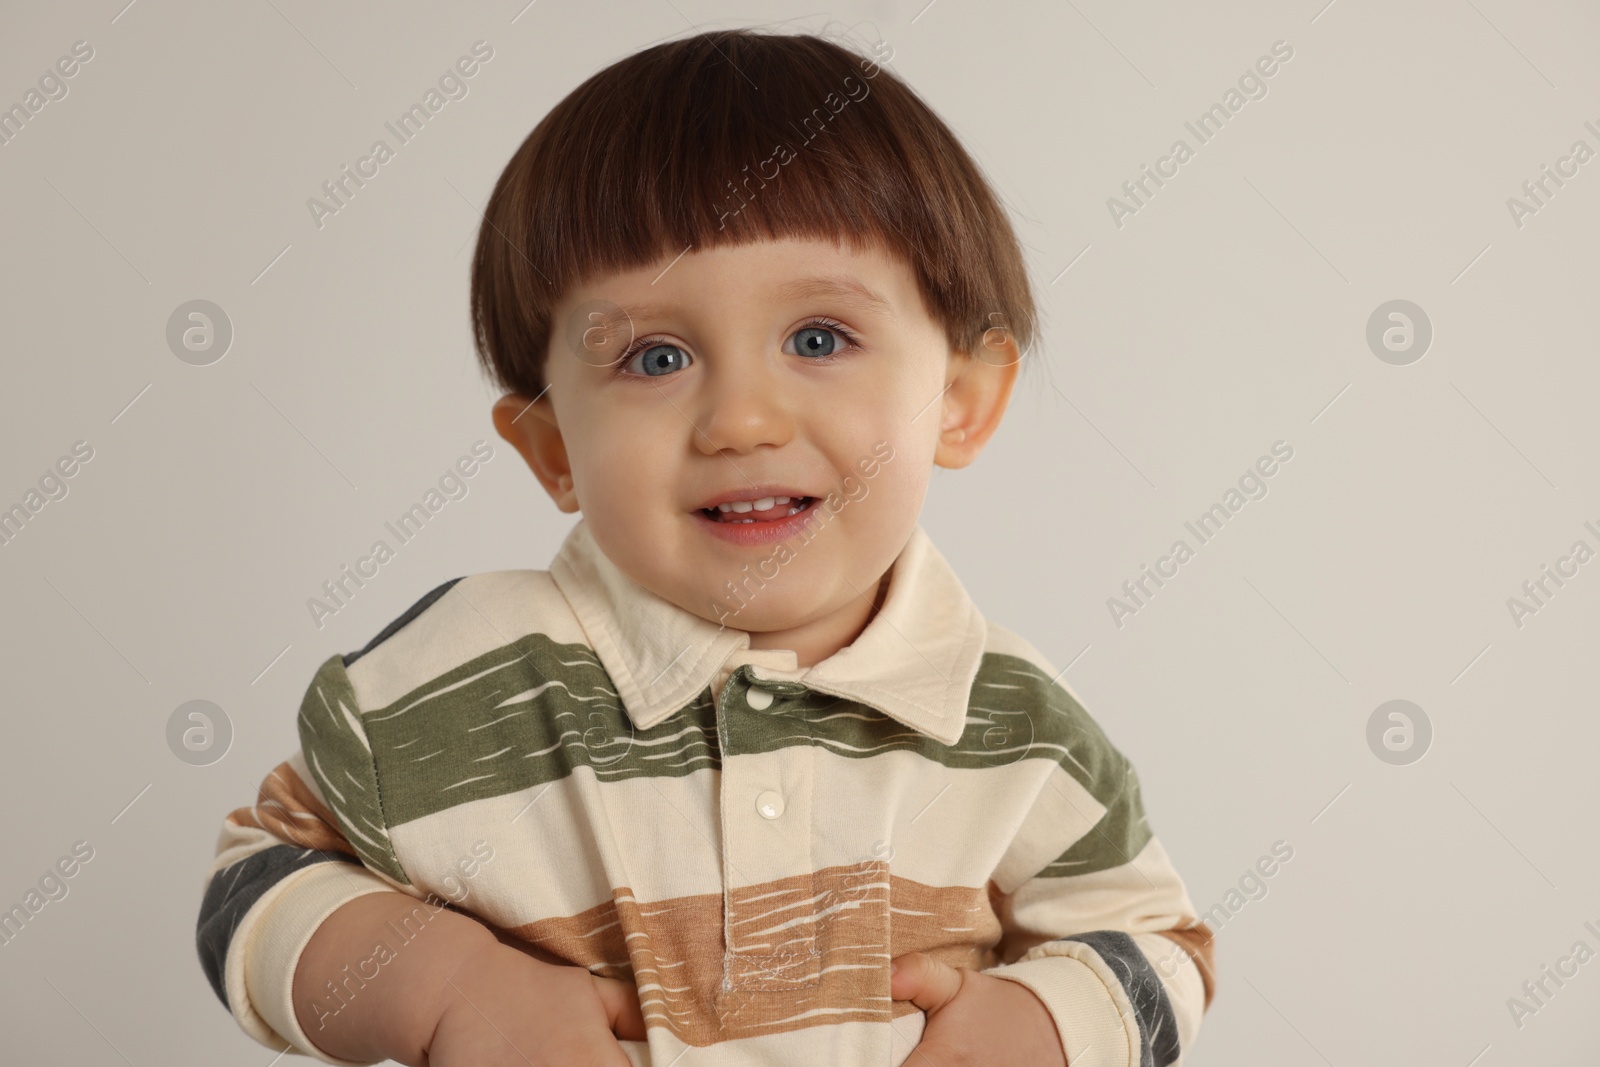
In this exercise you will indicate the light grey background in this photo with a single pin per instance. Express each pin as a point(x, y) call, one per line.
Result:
point(1228, 314)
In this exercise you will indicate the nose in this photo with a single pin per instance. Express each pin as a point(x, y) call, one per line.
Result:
point(742, 407)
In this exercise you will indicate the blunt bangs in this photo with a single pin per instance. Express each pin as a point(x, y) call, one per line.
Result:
point(729, 137)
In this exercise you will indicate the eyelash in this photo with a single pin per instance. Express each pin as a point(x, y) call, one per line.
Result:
point(644, 343)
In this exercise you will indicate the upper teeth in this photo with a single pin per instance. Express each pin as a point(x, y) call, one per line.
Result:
point(763, 504)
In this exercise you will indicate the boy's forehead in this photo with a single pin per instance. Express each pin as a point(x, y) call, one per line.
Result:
point(871, 280)
point(837, 288)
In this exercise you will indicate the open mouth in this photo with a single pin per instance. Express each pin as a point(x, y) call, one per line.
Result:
point(766, 509)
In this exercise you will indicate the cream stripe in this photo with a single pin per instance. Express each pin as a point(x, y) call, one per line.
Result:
point(664, 841)
point(1144, 896)
point(480, 614)
point(259, 973)
point(1097, 1025)
point(309, 780)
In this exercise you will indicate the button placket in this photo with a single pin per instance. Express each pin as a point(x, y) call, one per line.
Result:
point(766, 806)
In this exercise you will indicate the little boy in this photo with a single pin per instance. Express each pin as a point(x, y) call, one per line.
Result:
point(744, 777)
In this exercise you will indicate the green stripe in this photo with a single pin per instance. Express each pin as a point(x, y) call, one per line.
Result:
point(520, 716)
point(1117, 838)
point(527, 713)
point(1084, 752)
point(331, 741)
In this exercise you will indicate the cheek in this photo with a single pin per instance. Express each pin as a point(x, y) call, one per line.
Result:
point(899, 421)
point(891, 496)
point(900, 486)
point(912, 431)
point(899, 407)
point(612, 467)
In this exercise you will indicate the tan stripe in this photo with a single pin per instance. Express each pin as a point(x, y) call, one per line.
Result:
point(807, 951)
point(288, 810)
point(1199, 941)
point(545, 850)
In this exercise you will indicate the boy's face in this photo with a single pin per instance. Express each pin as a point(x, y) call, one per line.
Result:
point(734, 373)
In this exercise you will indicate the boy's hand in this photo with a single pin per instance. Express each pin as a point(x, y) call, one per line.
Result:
point(504, 1008)
point(974, 1020)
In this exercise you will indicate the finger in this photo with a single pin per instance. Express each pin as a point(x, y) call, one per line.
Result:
point(621, 1001)
point(924, 981)
point(599, 1050)
point(611, 1057)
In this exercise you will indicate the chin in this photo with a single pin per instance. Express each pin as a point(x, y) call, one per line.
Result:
point(762, 610)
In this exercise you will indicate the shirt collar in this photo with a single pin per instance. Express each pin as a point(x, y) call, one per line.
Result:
point(915, 661)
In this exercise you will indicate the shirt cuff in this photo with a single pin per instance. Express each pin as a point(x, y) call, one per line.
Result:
point(1096, 1023)
point(259, 975)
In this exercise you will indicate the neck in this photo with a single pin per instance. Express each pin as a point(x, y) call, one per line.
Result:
point(814, 641)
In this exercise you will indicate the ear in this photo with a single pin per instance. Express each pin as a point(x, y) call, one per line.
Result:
point(530, 427)
point(978, 388)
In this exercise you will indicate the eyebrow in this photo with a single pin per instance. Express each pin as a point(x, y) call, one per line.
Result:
point(842, 287)
point(839, 287)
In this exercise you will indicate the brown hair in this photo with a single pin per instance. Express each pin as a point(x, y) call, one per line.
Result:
point(727, 137)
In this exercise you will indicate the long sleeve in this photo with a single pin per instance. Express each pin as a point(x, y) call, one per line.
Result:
point(314, 840)
point(1104, 933)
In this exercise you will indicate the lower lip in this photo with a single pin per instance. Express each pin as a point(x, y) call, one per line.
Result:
point(759, 532)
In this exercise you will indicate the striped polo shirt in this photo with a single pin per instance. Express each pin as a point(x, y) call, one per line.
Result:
point(627, 787)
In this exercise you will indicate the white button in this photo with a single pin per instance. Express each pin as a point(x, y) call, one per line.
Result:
point(769, 804)
point(758, 698)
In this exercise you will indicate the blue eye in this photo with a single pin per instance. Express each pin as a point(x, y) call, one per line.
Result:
point(657, 360)
point(814, 341)
point(822, 340)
